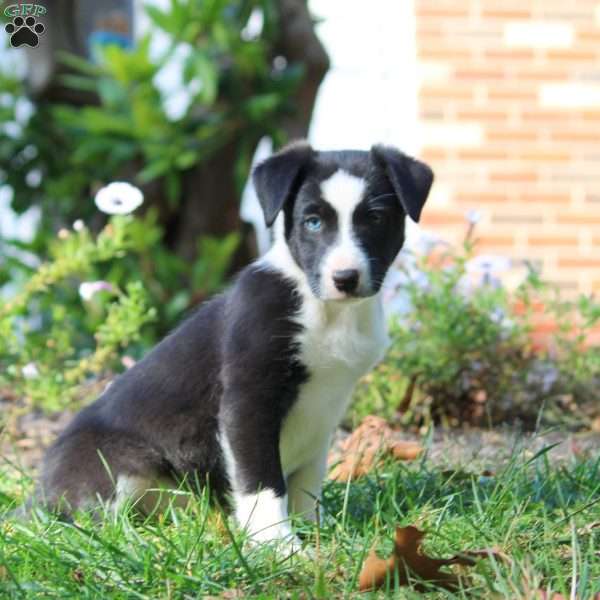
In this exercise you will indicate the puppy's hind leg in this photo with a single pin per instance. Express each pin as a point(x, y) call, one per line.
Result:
point(148, 495)
point(88, 466)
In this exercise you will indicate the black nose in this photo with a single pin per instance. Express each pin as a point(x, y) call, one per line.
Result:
point(346, 280)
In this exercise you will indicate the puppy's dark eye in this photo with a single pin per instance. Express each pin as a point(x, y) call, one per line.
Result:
point(312, 223)
point(376, 216)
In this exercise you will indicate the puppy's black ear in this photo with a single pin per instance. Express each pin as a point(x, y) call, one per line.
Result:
point(410, 178)
point(278, 177)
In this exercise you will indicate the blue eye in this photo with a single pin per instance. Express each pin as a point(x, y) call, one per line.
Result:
point(312, 223)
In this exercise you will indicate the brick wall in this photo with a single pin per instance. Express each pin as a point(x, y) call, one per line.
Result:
point(509, 108)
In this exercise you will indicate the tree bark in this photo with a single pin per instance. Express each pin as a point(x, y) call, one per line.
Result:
point(298, 42)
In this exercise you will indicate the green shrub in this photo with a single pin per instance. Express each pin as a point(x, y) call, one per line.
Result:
point(55, 156)
point(463, 353)
point(51, 341)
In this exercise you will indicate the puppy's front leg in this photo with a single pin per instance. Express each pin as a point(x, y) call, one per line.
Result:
point(250, 442)
point(305, 485)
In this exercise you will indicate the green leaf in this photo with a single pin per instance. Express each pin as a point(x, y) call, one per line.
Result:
point(153, 170)
point(199, 66)
point(186, 159)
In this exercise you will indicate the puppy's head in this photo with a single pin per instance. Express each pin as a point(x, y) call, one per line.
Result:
point(342, 212)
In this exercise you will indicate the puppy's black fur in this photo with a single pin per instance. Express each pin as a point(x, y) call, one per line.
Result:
point(161, 419)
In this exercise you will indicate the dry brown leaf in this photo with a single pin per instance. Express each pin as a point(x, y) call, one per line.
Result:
point(231, 594)
point(588, 529)
point(407, 561)
point(366, 447)
point(78, 576)
point(546, 595)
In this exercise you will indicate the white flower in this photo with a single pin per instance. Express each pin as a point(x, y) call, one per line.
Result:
point(127, 361)
point(88, 288)
point(473, 216)
point(119, 198)
point(30, 371)
point(78, 225)
point(254, 26)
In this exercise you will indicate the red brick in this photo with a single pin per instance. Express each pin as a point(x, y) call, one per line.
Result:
point(478, 73)
point(434, 154)
point(544, 115)
point(552, 240)
point(447, 54)
point(495, 241)
point(481, 115)
point(590, 115)
point(542, 156)
point(546, 198)
point(482, 154)
point(506, 14)
point(509, 54)
point(437, 12)
point(575, 136)
point(589, 35)
point(577, 219)
point(579, 263)
point(503, 135)
point(517, 176)
point(518, 93)
point(572, 55)
point(480, 198)
point(516, 218)
point(436, 217)
point(542, 73)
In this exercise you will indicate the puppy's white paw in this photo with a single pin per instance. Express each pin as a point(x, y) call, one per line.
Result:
point(263, 516)
point(279, 536)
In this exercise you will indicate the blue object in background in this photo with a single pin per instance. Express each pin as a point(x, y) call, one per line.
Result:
point(100, 39)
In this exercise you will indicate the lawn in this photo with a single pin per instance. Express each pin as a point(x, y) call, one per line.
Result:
point(541, 516)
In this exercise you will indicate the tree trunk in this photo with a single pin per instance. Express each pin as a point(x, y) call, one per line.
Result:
point(210, 206)
point(299, 43)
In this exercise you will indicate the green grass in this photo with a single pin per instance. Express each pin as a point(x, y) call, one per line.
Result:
point(534, 511)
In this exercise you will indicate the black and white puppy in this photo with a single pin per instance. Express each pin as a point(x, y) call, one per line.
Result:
point(246, 393)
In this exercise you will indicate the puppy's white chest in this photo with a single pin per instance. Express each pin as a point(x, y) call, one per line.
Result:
point(337, 351)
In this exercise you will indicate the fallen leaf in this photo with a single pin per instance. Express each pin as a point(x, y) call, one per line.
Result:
point(407, 561)
point(546, 595)
point(231, 594)
point(78, 576)
point(370, 443)
point(406, 450)
point(587, 529)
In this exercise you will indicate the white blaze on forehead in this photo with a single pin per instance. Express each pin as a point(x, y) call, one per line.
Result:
point(343, 192)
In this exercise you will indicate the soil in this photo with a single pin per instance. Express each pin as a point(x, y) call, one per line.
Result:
point(23, 442)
